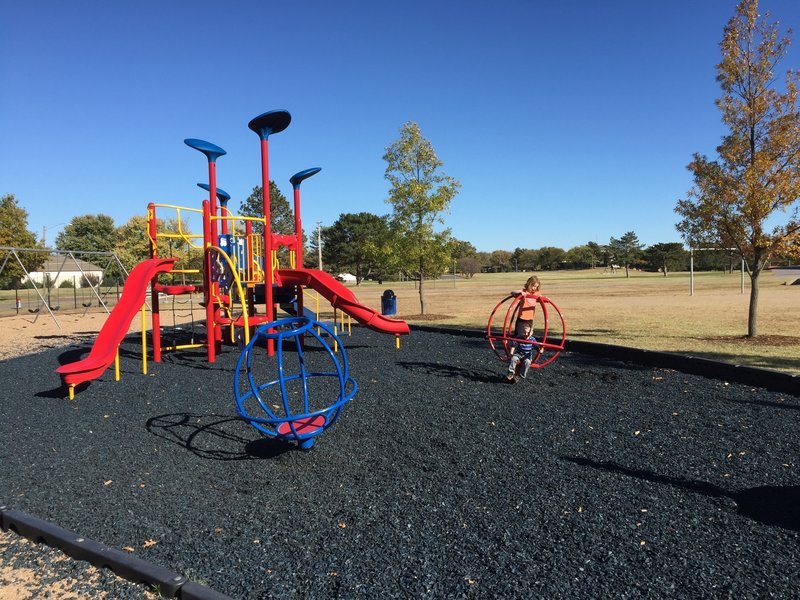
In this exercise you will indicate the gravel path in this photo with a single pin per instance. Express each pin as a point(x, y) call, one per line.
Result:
point(592, 478)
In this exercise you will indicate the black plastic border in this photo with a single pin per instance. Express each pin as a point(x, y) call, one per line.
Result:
point(167, 583)
point(753, 376)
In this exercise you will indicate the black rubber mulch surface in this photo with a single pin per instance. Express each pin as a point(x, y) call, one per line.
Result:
point(590, 479)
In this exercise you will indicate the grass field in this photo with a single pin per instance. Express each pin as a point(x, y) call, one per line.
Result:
point(645, 310)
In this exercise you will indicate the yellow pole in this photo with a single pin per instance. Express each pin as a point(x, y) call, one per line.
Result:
point(144, 342)
point(335, 332)
point(316, 312)
point(397, 341)
point(72, 391)
point(116, 365)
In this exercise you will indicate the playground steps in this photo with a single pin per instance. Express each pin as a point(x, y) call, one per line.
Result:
point(291, 309)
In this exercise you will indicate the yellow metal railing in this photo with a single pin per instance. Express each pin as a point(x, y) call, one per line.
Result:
point(180, 234)
point(242, 299)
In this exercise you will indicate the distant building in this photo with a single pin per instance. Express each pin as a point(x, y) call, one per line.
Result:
point(65, 268)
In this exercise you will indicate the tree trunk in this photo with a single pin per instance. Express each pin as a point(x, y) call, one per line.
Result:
point(752, 313)
point(421, 286)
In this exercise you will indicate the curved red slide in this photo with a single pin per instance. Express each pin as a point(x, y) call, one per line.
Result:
point(342, 298)
point(116, 326)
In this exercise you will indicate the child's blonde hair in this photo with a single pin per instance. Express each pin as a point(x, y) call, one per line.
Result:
point(532, 285)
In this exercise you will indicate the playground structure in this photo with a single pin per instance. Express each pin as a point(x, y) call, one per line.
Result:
point(240, 272)
point(549, 341)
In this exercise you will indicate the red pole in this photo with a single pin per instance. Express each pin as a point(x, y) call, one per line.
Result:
point(268, 274)
point(298, 227)
point(210, 238)
point(152, 232)
point(298, 233)
point(265, 125)
point(207, 283)
point(212, 184)
point(296, 180)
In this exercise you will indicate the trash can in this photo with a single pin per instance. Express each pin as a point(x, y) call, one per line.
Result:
point(388, 303)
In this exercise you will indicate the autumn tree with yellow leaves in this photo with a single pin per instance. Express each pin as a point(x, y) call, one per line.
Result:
point(756, 177)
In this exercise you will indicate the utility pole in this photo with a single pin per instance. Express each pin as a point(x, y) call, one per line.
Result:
point(319, 244)
point(44, 232)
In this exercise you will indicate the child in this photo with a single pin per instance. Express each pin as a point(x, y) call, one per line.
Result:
point(527, 306)
point(521, 351)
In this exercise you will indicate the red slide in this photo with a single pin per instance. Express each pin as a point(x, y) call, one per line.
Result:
point(342, 298)
point(116, 326)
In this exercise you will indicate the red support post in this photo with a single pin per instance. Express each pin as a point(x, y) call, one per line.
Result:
point(268, 273)
point(152, 232)
point(207, 283)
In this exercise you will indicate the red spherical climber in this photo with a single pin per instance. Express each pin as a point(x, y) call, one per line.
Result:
point(548, 327)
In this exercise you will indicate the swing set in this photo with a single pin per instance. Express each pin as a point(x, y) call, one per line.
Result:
point(70, 261)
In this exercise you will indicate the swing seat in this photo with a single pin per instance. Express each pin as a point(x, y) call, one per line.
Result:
point(34, 310)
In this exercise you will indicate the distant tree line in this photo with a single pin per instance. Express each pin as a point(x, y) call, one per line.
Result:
point(363, 244)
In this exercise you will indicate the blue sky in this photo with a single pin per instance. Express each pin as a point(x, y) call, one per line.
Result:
point(565, 122)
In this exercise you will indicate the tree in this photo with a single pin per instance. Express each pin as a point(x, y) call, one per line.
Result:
point(281, 214)
point(665, 257)
point(500, 260)
point(279, 208)
point(581, 257)
point(461, 249)
point(419, 194)
point(463, 256)
point(756, 176)
point(358, 243)
point(528, 260)
point(625, 250)
point(133, 243)
point(14, 232)
point(469, 265)
point(597, 251)
point(550, 257)
point(485, 259)
point(88, 233)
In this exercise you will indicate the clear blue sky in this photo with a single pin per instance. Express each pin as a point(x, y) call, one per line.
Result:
point(565, 122)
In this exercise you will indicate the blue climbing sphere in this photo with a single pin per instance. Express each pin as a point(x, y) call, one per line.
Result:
point(300, 392)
